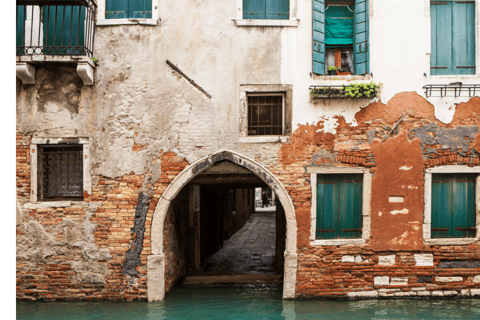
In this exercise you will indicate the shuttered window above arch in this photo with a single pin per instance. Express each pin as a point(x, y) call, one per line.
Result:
point(453, 37)
point(266, 9)
point(120, 9)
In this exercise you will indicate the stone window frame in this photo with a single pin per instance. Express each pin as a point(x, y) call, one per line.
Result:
point(291, 22)
point(427, 217)
point(366, 204)
point(87, 179)
point(102, 21)
point(287, 90)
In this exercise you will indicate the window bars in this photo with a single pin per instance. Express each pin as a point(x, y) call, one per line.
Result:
point(53, 27)
point(265, 114)
point(60, 172)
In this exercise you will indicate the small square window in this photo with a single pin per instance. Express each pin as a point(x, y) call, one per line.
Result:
point(265, 114)
point(266, 9)
point(136, 9)
point(60, 172)
point(339, 201)
point(453, 205)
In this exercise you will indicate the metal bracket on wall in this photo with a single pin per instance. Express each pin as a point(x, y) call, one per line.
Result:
point(174, 67)
point(454, 89)
point(394, 127)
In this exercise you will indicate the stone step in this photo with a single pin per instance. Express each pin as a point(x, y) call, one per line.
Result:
point(237, 278)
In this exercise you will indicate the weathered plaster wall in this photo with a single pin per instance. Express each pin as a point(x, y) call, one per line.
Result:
point(146, 123)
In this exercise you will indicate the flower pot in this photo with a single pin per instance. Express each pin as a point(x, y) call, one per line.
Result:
point(339, 73)
point(332, 72)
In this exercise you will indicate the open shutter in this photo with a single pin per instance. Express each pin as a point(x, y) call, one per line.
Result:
point(453, 205)
point(360, 38)
point(254, 9)
point(277, 9)
point(319, 36)
point(453, 37)
point(64, 29)
point(140, 9)
point(339, 206)
point(116, 9)
point(21, 17)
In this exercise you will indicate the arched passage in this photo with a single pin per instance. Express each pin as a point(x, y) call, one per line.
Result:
point(156, 261)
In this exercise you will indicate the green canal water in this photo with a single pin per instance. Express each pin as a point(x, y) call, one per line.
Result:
point(249, 302)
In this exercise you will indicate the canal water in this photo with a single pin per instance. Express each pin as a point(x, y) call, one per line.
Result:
point(249, 302)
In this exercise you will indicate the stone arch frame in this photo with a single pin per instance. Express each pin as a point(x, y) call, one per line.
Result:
point(156, 260)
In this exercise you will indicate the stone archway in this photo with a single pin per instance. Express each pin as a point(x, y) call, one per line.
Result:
point(156, 261)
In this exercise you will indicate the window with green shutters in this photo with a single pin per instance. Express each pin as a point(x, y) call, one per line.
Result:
point(339, 206)
point(341, 26)
point(453, 37)
point(118, 9)
point(266, 9)
point(453, 205)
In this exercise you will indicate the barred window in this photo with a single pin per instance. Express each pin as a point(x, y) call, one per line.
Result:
point(265, 114)
point(60, 172)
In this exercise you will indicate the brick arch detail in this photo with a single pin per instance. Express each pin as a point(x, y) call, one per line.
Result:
point(156, 261)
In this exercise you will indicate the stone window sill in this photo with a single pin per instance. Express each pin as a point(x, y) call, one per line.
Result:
point(450, 241)
point(266, 23)
point(118, 22)
point(47, 204)
point(342, 78)
point(264, 139)
point(337, 242)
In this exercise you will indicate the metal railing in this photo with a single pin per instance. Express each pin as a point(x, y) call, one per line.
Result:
point(455, 89)
point(54, 27)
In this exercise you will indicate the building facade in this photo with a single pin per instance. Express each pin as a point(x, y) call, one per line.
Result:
point(126, 109)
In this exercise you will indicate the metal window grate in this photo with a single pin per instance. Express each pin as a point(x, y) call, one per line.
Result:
point(265, 114)
point(60, 172)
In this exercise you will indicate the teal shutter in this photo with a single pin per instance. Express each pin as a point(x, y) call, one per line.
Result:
point(339, 206)
point(254, 9)
point(277, 9)
point(453, 205)
point(64, 29)
point(453, 38)
point(116, 9)
point(360, 38)
point(318, 37)
point(20, 29)
point(140, 9)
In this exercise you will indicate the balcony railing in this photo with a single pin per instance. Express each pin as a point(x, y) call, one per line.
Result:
point(54, 27)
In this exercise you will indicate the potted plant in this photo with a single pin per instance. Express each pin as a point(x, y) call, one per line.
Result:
point(342, 72)
point(332, 70)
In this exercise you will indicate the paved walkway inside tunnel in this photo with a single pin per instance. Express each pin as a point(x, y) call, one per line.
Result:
point(251, 250)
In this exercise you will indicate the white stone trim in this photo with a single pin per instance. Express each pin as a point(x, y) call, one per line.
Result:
point(427, 217)
point(101, 21)
point(366, 205)
point(264, 139)
point(87, 178)
point(156, 288)
point(291, 22)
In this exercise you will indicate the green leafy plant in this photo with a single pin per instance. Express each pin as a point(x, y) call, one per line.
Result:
point(354, 90)
point(363, 90)
point(95, 60)
point(332, 68)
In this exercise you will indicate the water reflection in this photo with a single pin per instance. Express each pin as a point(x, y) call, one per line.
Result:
point(249, 302)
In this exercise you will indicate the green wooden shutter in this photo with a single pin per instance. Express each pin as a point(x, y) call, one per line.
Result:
point(140, 9)
point(277, 9)
point(453, 205)
point(360, 38)
point(116, 9)
point(318, 36)
point(339, 206)
point(64, 29)
point(20, 29)
point(254, 9)
point(453, 38)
